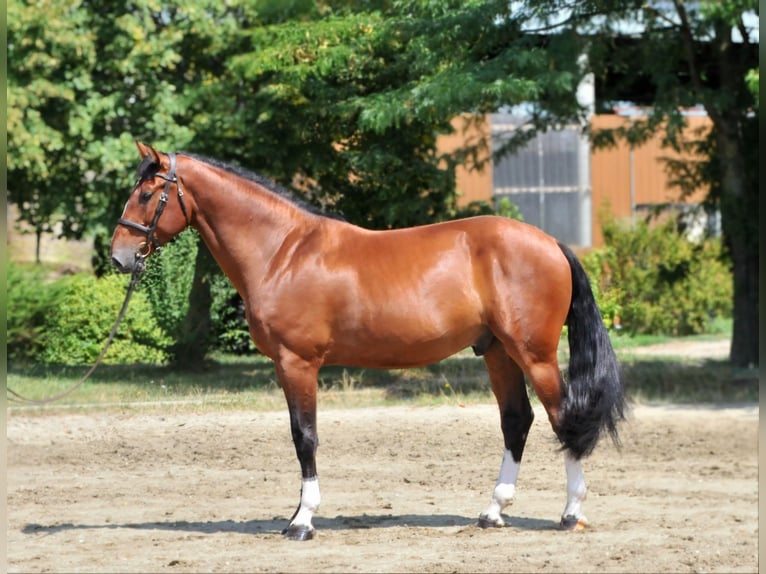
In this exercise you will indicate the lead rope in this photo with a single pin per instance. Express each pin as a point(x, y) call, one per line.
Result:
point(13, 396)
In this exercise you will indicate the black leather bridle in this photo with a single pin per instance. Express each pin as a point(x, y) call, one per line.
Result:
point(152, 243)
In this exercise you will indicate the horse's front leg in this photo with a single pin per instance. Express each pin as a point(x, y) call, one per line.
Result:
point(299, 383)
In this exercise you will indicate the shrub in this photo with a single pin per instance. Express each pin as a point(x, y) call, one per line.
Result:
point(167, 282)
point(608, 296)
point(502, 207)
point(227, 317)
point(659, 282)
point(77, 327)
point(30, 299)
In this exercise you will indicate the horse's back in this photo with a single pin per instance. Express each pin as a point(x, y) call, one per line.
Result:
point(484, 234)
point(493, 248)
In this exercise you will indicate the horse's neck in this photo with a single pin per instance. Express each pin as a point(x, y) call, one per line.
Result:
point(243, 224)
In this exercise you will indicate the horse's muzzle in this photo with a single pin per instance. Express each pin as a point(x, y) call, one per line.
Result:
point(128, 261)
point(120, 266)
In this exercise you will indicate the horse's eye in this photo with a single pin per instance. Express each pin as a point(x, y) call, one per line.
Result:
point(146, 196)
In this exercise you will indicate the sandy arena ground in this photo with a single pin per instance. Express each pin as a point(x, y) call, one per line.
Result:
point(402, 488)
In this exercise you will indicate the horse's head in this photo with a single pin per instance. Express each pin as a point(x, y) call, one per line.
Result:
point(154, 214)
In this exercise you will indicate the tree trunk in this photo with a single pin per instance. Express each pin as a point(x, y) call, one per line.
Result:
point(744, 340)
point(739, 209)
point(737, 155)
point(193, 342)
point(38, 243)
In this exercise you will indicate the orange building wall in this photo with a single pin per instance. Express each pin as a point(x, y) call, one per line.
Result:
point(610, 171)
point(472, 185)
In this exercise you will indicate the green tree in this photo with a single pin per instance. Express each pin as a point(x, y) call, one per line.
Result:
point(340, 100)
point(86, 78)
point(350, 105)
point(50, 54)
point(345, 105)
point(688, 54)
point(343, 100)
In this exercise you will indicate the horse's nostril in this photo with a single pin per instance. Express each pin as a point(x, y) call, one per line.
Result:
point(118, 264)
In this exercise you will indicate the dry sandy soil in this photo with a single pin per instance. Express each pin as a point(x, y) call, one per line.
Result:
point(401, 486)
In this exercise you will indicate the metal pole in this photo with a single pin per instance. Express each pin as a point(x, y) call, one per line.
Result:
point(541, 180)
point(632, 182)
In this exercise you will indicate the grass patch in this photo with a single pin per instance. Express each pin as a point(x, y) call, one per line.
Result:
point(718, 329)
point(677, 380)
point(231, 382)
point(247, 382)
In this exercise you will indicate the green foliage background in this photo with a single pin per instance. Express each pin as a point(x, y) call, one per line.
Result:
point(168, 280)
point(30, 299)
point(343, 101)
point(67, 320)
point(650, 279)
point(167, 283)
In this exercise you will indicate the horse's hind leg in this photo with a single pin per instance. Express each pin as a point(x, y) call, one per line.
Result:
point(516, 417)
point(545, 378)
point(542, 371)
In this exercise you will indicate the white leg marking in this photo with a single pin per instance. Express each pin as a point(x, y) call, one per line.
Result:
point(310, 500)
point(504, 491)
point(576, 492)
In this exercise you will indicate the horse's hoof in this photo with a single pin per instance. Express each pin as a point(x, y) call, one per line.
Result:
point(572, 522)
point(486, 522)
point(298, 532)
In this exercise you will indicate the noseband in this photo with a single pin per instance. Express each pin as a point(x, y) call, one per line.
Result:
point(152, 242)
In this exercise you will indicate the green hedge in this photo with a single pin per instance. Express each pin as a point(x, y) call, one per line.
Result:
point(67, 320)
point(30, 299)
point(167, 282)
point(79, 324)
point(653, 280)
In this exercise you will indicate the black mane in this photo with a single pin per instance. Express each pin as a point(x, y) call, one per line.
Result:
point(264, 182)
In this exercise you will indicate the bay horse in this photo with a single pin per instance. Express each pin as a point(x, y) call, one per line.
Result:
point(321, 291)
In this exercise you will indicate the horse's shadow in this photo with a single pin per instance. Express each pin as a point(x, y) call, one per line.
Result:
point(275, 526)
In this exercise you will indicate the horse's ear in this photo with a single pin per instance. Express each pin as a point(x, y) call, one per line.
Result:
point(150, 161)
point(147, 151)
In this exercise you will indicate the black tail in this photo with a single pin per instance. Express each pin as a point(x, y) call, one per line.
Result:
point(594, 402)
